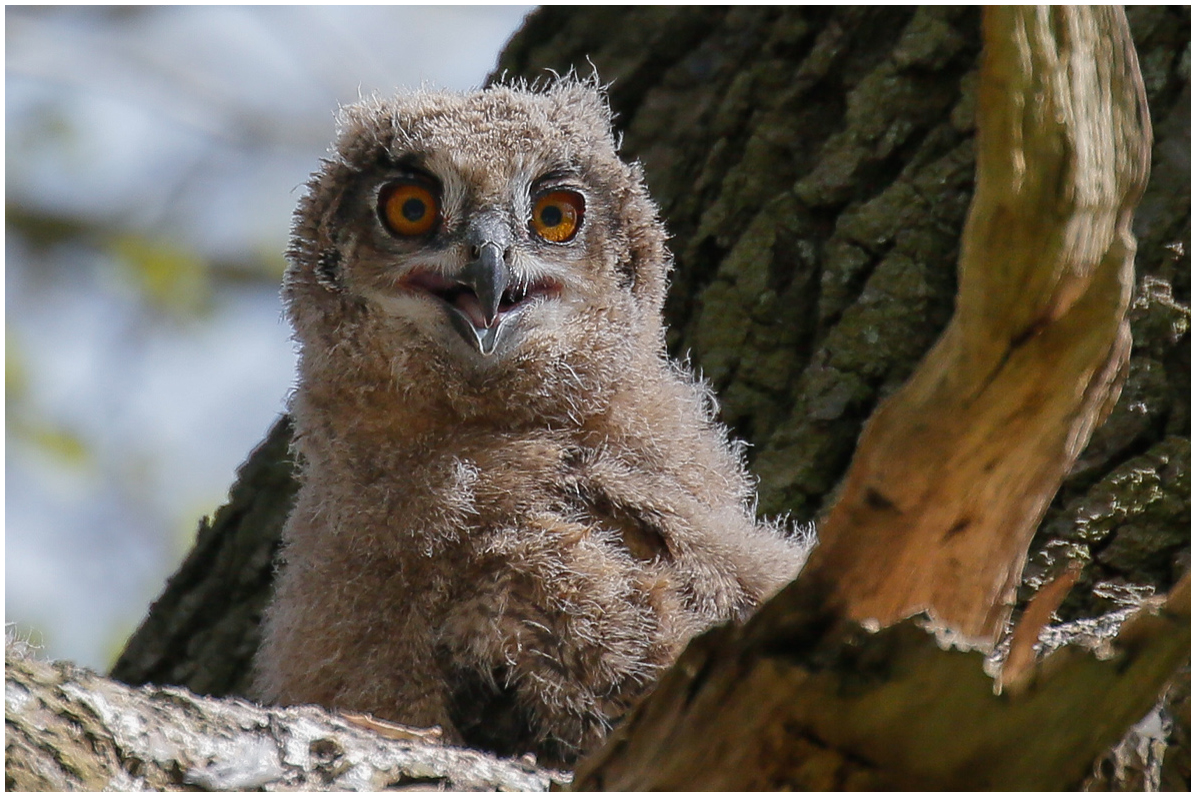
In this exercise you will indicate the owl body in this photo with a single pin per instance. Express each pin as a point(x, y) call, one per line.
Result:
point(514, 510)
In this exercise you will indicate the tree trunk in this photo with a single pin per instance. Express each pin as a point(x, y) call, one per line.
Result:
point(951, 474)
point(203, 631)
point(814, 166)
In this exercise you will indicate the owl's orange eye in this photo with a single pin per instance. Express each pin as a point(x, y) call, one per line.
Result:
point(557, 215)
point(408, 209)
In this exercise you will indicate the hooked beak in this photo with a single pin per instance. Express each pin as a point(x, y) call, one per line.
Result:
point(480, 321)
point(483, 299)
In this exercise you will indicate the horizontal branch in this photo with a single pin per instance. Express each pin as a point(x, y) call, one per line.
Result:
point(68, 729)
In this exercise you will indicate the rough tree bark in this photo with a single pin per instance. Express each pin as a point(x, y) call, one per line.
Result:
point(950, 477)
point(814, 166)
point(955, 470)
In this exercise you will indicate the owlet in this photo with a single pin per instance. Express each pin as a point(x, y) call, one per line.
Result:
point(515, 509)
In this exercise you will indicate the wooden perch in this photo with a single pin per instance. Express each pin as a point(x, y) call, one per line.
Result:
point(950, 479)
point(954, 472)
point(68, 729)
point(799, 699)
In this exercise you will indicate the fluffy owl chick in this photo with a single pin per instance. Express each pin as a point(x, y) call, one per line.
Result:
point(515, 510)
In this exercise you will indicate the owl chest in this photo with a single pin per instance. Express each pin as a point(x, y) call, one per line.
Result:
point(505, 535)
point(526, 511)
point(530, 590)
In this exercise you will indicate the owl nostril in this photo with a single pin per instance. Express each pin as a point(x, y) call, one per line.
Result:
point(475, 250)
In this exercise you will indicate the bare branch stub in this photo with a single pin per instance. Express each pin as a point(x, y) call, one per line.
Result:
point(953, 473)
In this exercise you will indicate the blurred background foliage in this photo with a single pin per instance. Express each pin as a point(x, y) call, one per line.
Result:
point(153, 157)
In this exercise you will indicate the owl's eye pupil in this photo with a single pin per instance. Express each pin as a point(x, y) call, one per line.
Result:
point(414, 209)
point(551, 216)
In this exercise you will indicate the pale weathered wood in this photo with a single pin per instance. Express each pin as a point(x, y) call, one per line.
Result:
point(954, 472)
point(68, 729)
point(798, 699)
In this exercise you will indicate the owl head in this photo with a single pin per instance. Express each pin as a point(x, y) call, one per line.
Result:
point(481, 233)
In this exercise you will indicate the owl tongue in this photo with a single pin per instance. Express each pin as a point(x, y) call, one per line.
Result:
point(467, 302)
point(456, 294)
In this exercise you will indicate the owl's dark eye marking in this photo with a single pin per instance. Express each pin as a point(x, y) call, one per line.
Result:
point(557, 215)
point(408, 209)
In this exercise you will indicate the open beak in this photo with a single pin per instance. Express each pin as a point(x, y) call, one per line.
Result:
point(482, 299)
point(477, 317)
